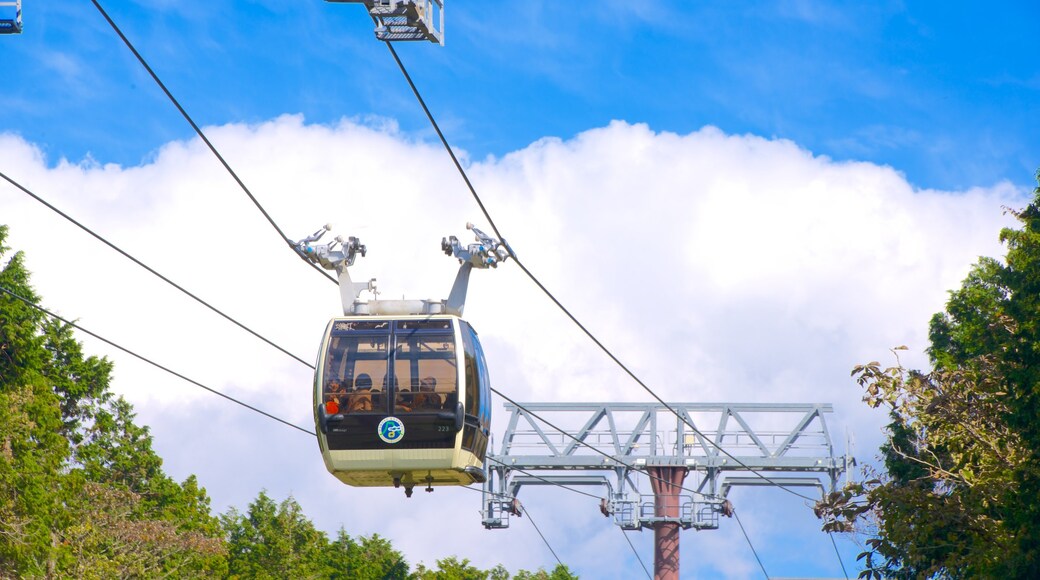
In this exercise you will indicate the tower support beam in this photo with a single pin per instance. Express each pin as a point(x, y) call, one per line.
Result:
point(666, 481)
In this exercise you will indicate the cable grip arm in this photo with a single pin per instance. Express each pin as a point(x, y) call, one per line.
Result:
point(337, 255)
point(486, 253)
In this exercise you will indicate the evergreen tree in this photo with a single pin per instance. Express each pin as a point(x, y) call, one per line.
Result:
point(82, 493)
point(560, 572)
point(451, 568)
point(32, 451)
point(368, 558)
point(274, 541)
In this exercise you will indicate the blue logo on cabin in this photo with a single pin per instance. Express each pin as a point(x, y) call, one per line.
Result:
point(391, 430)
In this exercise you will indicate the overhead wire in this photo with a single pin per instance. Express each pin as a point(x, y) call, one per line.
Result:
point(205, 139)
point(549, 294)
point(153, 363)
point(838, 554)
point(736, 516)
point(636, 552)
point(530, 519)
point(523, 510)
point(444, 141)
point(149, 268)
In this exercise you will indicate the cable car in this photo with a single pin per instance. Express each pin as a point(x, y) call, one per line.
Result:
point(11, 25)
point(401, 387)
point(405, 19)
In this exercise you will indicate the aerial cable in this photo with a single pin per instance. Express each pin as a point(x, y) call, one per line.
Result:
point(155, 364)
point(648, 389)
point(447, 147)
point(205, 139)
point(521, 510)
point(636, 552)
point(546, 291)
point(530, 519)
point(752, 546)
point(146, 267)
point(838, 554)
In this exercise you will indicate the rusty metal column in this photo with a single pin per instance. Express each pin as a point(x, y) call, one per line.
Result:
point(666, 482)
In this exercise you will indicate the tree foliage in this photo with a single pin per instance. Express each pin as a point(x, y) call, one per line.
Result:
point(82, 493)
point(274, 541)
point(367, 558)
point(960, 496)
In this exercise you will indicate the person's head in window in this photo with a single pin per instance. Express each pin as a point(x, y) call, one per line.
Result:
point(363, 382)
point(427, 385)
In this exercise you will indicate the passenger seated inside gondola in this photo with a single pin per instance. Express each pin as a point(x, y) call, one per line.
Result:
point(426, 398)
point(335, 397)
point(361, 398)
point(403, 401)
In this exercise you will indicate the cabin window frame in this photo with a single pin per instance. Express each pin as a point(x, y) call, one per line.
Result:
point(387, 386)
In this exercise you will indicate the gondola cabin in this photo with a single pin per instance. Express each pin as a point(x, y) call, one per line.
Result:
point(402, 400)
point(401, 388)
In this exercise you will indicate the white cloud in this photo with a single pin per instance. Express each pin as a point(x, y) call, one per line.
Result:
point(717, 267)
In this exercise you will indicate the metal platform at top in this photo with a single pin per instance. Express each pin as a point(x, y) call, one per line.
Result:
point(765, 444)
point(398, 20)
point(11, 21)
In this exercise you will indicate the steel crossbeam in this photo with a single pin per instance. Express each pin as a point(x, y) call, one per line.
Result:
point(714, 442)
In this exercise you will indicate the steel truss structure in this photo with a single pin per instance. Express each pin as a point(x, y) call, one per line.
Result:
point(765, 444)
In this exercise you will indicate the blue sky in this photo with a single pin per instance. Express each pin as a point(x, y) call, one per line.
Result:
point(857, 166)
point(944, 94)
